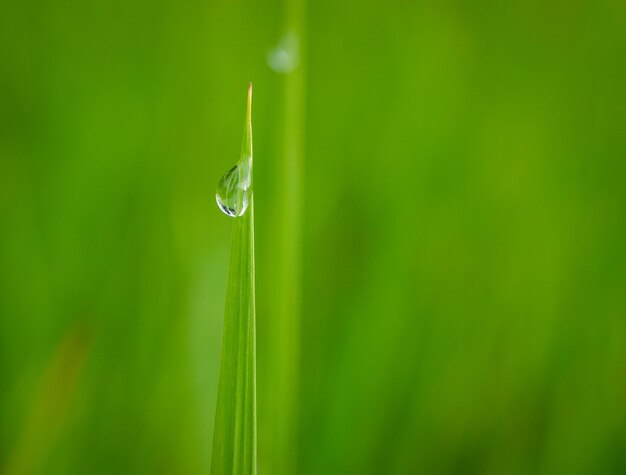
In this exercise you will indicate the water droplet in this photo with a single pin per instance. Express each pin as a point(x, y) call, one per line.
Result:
point(284, 58)
point(233, 191)
point(235, 187)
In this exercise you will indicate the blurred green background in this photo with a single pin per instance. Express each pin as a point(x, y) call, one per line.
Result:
point(463, 227)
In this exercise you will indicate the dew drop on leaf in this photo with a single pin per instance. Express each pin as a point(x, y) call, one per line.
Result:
point(233, 190)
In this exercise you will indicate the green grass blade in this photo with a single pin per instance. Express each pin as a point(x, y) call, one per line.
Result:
point(234, 438)
point(281, 354)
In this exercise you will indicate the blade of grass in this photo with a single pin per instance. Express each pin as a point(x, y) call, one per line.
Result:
point(234, 437)
point(281, 380)
point(52, 403)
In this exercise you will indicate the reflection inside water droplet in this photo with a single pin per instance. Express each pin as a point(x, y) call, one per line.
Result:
point(233, 189)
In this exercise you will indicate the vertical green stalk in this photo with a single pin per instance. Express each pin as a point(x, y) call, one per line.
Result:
point(51, 405)
point(282, 382)
point(235, 433)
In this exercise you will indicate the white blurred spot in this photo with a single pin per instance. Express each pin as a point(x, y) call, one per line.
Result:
point(285, 56)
